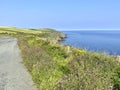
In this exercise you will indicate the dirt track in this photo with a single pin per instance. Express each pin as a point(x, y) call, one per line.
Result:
point(13, 75)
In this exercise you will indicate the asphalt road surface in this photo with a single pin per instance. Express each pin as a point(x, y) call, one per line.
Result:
point(13, 74)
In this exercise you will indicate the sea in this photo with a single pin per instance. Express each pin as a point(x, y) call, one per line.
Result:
point(107, 41)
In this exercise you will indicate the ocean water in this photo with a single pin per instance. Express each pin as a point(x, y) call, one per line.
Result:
point(100, 41)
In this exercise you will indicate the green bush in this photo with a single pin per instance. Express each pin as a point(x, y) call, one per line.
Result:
point(116, 79)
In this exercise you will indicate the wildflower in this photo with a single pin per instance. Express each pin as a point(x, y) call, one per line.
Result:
point(78, 52)
point(97, 63)
point(67, 49)
point(118, 58)
point(37, 38)
point(111, 87)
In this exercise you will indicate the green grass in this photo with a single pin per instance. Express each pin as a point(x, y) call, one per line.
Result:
point(58, 67)
point(16, 30)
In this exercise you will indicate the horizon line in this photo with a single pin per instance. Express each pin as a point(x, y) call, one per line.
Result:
point(87, 29)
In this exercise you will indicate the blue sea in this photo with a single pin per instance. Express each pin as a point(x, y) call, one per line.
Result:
point(99, 41)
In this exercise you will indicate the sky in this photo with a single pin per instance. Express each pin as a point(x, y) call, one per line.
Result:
point(61, 14)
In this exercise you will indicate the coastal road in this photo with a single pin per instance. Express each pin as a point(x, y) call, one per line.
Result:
point(13, 75)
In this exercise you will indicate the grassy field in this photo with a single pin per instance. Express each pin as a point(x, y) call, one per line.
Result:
point(59, 67)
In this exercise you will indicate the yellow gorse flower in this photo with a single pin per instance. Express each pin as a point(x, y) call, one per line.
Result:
point(78, 52)
point(37, 38)
point(118, 58)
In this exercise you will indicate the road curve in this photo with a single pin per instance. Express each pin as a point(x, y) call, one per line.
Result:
point(13, 75)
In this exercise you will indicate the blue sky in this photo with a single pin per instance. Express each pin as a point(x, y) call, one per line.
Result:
point(61, 14)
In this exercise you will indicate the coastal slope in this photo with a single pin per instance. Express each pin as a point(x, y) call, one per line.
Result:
point(54, 66)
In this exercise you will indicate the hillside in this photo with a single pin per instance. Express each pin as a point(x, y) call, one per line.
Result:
point(61, 67)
